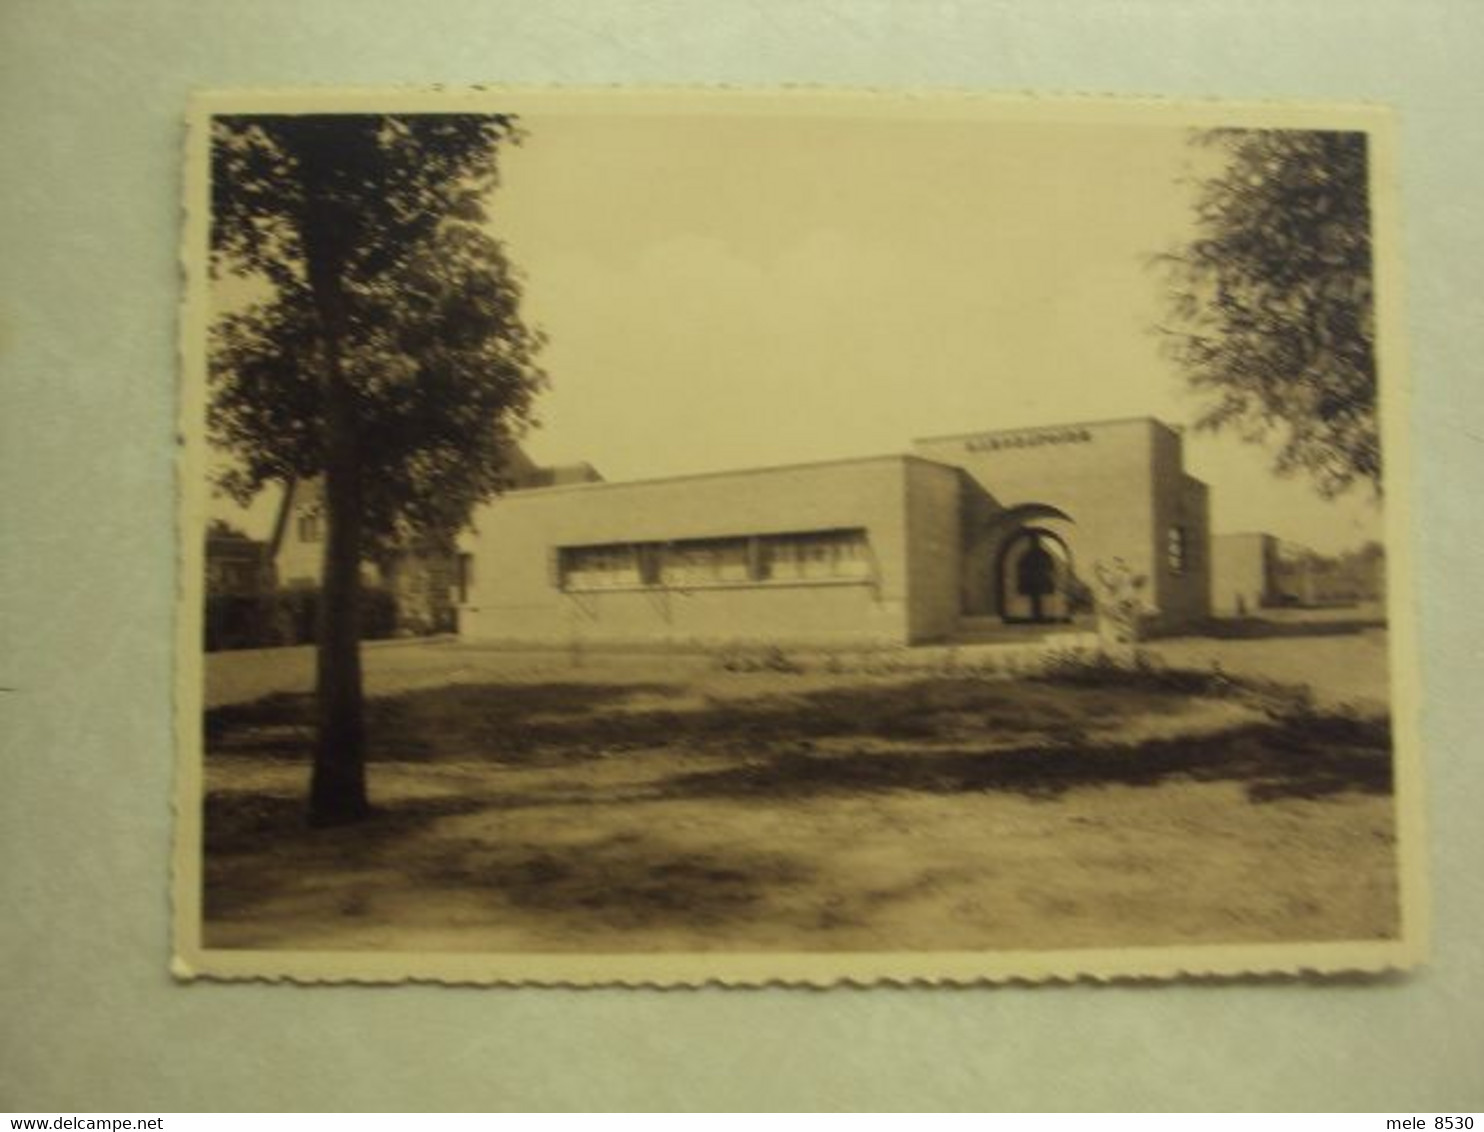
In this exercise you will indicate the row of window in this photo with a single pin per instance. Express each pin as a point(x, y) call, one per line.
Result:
point(759, 558)
point(839, 555)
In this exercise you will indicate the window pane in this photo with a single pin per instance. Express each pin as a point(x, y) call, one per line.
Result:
point(599, 567)
point(702, 563)
point(822, 555)
point(1175, 550)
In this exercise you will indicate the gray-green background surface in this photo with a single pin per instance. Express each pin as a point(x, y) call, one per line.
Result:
point(91, 96)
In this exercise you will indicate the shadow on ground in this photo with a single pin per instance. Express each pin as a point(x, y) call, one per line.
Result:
point(1038, 736)
point(259, 847)
point(627, 881)
point(558, 723)
point(1303, 756)
point(238, 821)
point(492, 719)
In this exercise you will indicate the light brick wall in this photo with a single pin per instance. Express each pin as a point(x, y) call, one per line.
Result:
point(1182, 598)
point(299, 561)
point(1242, 573)
point(515, 595)
point(934, 550)
point(1101, 477)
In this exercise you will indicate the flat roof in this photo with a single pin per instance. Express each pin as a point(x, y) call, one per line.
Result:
point(766, 469)
point(1048, 428)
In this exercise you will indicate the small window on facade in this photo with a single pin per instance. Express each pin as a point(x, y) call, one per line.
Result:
point(465, 580)
point(1176, 550)
point(310, 528)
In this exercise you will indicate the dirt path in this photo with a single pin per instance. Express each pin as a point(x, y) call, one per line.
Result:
point(489, 859)
point(765, 811)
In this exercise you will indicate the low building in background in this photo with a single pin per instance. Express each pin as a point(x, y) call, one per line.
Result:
point(1245, 574)
point(1252, 572)
point(236, 566)
point(239, 585)
point(965, 537)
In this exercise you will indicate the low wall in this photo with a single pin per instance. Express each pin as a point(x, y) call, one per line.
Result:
point(824, 613)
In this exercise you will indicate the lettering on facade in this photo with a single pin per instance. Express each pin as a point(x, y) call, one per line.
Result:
point(997, 441)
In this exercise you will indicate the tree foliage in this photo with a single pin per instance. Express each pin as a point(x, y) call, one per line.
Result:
point(440, 365)
point(385, 354)
point(1272, 302)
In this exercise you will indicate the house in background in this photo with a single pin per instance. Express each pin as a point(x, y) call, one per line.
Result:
point(298, 540)
point(425, 584)
point(239, 576)
point(236, 565)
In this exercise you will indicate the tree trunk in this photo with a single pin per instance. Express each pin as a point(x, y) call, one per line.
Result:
point(337, 792)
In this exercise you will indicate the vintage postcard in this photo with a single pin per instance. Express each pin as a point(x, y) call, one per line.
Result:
point(676, 537)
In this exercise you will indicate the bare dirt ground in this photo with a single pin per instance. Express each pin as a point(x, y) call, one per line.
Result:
point(550, 802)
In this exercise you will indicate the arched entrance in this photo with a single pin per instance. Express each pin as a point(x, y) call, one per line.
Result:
point(1033, 577)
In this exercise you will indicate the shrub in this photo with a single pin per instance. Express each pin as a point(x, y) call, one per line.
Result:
point(234, 621)
point(287, 617)
point(378, 614)
point(1138, 669)
point(1120, 603)
point(768, 658)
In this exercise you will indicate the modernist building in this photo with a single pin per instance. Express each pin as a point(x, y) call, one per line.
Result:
point(964, 534)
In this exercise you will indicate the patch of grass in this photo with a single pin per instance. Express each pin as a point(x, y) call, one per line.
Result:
point(1137, 670)
point(1143, 671)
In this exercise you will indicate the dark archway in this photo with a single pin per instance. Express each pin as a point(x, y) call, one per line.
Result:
point(1033, 576)
point(988, 529)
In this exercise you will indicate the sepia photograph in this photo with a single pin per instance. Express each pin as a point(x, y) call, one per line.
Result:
point(805, 537)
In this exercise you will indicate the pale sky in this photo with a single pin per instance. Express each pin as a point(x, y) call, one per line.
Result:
point(727, 291)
